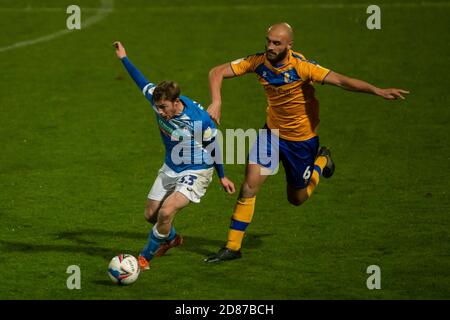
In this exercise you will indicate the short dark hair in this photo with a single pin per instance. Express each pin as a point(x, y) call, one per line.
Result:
point(166, 90)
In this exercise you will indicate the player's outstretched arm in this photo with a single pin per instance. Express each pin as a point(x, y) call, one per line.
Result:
point(216, 76)
point(137, 76)
point(362, 86)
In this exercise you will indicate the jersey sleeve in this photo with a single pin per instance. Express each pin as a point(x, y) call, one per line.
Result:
point(148, 91)
point(144, 85)
point(246, 65)
point(309, 70)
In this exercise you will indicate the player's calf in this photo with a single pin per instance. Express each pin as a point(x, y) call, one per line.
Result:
point(155, 239)
point(253, 181)
point(165, 218)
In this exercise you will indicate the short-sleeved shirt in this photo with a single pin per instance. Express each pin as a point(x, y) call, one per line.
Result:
point(292, 106)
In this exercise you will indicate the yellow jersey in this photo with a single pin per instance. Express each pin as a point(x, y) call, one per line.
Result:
point(292, 106)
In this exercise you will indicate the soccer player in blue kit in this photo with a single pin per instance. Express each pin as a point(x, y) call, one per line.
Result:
point(182, 179)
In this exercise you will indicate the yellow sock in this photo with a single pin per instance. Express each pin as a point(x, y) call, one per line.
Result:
point(319, 164)
point(242, 216)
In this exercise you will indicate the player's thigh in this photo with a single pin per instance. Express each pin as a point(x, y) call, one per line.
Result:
point(162, 187)
point(193, 184)
point(298, 159)
point(263, 160)
point(171, 205)
point(265, 153)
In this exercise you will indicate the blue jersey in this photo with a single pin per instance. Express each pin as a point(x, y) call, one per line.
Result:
point(188, 137)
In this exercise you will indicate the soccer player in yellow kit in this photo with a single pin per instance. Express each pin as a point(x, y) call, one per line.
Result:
point(292, 115)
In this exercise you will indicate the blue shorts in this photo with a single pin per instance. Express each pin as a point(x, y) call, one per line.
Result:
point(297, 157)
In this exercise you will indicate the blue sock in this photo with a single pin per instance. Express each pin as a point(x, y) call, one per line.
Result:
point(153, 243)
point(172, 234)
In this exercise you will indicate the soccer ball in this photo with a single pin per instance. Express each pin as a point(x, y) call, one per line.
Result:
point(123, 269)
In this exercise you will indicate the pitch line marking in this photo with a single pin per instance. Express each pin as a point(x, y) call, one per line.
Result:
point(107, 6)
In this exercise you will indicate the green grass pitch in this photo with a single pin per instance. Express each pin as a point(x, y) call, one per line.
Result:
point(79, 150)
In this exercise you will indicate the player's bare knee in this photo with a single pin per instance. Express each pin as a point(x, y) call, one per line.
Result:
point(296, 201)
point(165, 215)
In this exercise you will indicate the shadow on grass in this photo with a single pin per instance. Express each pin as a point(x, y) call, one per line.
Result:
point(198, 245)
point(202, 245)
point(104, 283)
point(77, 236)
point(94, 246)
point(105, 253)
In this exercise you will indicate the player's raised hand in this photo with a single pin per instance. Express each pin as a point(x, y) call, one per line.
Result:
point(214, 111)
point(392, 93)
point(227, 185)
point(120, 50)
